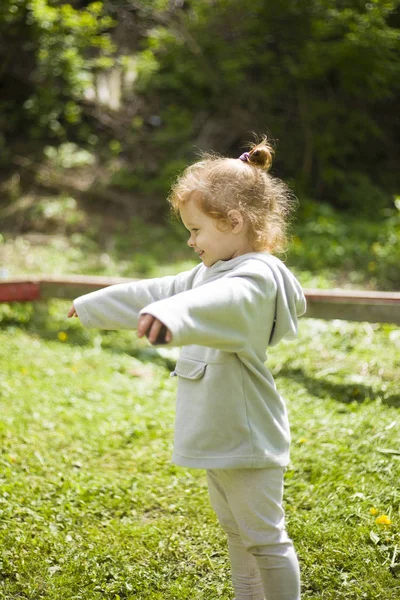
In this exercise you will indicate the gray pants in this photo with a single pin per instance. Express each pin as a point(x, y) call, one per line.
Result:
point(248, 504)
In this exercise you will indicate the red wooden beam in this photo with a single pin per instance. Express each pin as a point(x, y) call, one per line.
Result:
point(350, 305)
point(26, 289)
point(355, 296)
point(21, 291)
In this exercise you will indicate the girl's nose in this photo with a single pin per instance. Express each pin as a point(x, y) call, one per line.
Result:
point(190, 242)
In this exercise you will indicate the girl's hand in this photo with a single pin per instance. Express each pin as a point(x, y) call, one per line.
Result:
point(156, 332)
point(72, 312)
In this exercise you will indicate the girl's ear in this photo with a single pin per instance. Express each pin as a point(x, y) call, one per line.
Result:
point(236, 221)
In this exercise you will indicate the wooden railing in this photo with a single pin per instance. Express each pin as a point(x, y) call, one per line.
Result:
point(375, 307)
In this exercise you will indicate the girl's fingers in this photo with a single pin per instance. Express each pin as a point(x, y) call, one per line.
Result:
point(164, 336)
point(154, 331)
point(145, 322)
point(72, 312)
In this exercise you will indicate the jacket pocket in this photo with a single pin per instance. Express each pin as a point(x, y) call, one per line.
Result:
point(189, 369)
point(211, 411)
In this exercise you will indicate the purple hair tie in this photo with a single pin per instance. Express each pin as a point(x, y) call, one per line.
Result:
point(244, 157)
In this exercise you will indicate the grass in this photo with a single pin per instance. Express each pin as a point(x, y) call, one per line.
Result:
point(91, 508)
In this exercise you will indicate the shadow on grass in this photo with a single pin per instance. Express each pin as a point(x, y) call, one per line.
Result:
point(342, 392)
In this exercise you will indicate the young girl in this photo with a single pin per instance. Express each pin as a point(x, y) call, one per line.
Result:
point(230, 419)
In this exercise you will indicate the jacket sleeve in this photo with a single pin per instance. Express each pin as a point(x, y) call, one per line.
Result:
point(118, 306)
point(221, 314)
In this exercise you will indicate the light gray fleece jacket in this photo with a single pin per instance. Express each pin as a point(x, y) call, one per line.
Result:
point(229, 413)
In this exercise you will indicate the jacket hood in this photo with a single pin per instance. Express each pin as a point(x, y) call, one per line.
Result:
point(290, 300)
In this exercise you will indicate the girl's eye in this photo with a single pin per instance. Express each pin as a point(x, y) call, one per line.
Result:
point(194, 230)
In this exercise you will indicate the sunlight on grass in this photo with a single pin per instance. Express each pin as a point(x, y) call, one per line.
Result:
point(91, 507)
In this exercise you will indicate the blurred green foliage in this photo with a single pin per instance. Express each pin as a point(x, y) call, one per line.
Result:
point(346, 250)
point(329, 249)
point(49, 53)
point(387, 251)
point(321, 77)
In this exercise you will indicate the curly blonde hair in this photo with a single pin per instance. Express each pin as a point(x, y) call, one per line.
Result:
point(221, 184)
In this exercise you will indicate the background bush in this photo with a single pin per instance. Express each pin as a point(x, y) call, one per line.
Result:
point(322, 77)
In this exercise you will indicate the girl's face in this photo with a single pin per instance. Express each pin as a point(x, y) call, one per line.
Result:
point(208, 241)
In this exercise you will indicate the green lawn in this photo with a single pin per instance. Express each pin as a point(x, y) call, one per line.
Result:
point(91, 508)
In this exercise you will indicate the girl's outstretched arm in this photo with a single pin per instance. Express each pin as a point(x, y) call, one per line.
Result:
point(148, 325)
point(222, 314)
point(118, 306)
point(252, 305)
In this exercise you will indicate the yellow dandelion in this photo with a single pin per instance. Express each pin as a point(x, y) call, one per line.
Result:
point(303, 440)
point(383, 520)
point(373, 511)
point(62, 336)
